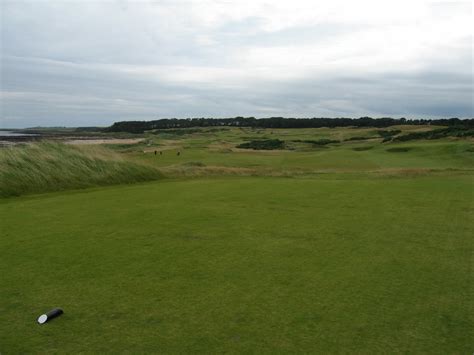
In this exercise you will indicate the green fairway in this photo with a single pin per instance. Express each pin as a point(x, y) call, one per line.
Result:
point(246, 264)
point(204, 150)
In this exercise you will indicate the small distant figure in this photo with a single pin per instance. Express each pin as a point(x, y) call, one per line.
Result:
point(161, 153)
point(178, 153)
point(155, 152)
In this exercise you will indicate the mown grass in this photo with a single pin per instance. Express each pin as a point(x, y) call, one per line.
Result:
point(345, 157)
point(53, 166)
point(242, 265)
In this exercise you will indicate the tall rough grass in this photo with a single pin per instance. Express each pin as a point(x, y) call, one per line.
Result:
point(54, 166)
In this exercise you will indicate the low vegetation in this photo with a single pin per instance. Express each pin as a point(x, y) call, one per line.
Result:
point(176, 132)
point(459, 132)
point(323, 141)
point(389, 134)
point(399, 149)
point(263, 144)
point(54, 166)
point(357, 138)
point(316, 142)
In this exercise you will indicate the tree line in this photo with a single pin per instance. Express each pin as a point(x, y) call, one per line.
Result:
point(279, 122)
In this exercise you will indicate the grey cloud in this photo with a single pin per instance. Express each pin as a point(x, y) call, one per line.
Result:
point(73, 64)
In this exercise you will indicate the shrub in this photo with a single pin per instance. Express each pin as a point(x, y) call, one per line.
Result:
point(388, 135)
point(324, 141)
point(264, 144)
point(399, 149)
point(177, 132)
point(459, 132)
point(357, 138)
point(318, 142)
point(358, 149)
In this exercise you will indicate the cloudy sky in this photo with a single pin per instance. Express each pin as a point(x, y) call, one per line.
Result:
point(80, 63)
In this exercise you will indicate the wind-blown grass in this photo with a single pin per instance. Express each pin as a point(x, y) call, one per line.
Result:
point(53, 166)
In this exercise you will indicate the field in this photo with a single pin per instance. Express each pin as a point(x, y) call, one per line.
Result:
point(356, 246)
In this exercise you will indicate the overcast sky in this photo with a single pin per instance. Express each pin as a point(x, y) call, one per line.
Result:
point(80, 63)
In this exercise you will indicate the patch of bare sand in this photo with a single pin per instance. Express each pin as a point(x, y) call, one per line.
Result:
point(104, 141)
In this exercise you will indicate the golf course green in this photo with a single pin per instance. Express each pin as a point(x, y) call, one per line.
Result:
point(349, 248)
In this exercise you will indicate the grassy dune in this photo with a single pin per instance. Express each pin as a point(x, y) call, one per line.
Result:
point(54, 166)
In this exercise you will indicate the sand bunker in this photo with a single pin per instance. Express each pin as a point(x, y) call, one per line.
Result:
point(105, 141)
